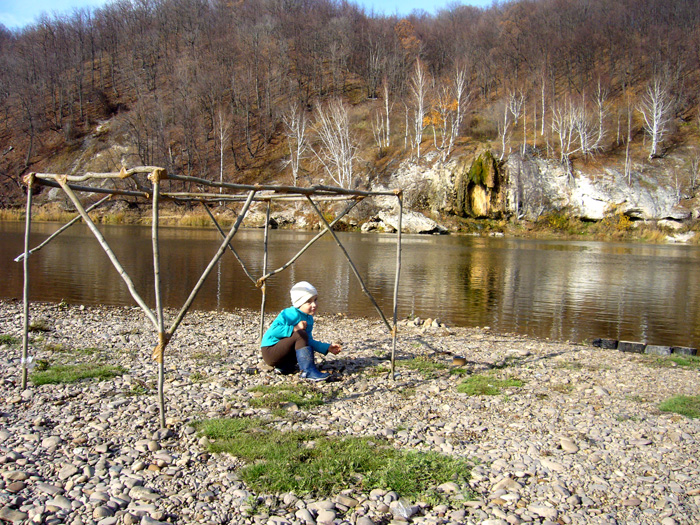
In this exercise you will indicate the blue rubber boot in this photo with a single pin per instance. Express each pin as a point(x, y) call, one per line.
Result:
point(305, 358)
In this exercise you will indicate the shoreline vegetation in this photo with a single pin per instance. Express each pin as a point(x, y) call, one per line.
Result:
point(554, 225)
point(476, 427)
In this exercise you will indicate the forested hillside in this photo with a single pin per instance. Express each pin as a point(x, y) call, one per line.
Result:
point(296, 91)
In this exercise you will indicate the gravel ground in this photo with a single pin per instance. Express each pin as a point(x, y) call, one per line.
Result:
point(581, 441)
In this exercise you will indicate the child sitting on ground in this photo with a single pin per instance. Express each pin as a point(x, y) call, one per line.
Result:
point(288, 342)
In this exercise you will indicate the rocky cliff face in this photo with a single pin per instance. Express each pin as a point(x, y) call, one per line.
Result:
point(481, 187)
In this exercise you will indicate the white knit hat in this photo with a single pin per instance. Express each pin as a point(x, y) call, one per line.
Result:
point(302, 292)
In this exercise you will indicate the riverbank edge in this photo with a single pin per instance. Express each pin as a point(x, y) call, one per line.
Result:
point(580, 442)
point(551, 226)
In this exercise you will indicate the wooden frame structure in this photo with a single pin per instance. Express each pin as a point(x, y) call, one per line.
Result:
point(145, 183)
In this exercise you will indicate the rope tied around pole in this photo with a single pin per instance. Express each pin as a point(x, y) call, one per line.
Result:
point(29, 179)
point(159, 350)
point(123, 174)
point(158, 175)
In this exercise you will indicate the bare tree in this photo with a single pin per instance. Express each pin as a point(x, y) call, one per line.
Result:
point(601, 98)
point(505, 124)
point(460, 100)
point(295, 122)
point(381, 125)
point(655, 107)
point(581, 129)
point(419, 89)
point(563, 126)
point(223, 128)
point(516, 104)
point(512, 109)
point(694, 175)
point(337, 151)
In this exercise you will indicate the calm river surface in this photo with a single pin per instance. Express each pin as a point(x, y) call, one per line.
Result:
point(551, 289)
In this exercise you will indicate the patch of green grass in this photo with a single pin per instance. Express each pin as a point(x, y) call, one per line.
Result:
point(426, 367)
point(459, 371)
point(74, 373)
point(688, 406)
point(481, 385)
point(688, 361)
point(8, 340)
point(672, 361)
point(197, 376)
point(42, 364)
point(311, 463)
point(277, 396)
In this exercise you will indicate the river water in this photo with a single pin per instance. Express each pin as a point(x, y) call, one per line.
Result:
point(561, 290)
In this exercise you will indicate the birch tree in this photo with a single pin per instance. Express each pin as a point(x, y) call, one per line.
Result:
point(655, 107)
point(337, 150)
point(381, 125)
point(602, 111)
point(512, 110)
point(295, 122)
point(516, 103)
point(419, 89)
point(563, 126)
point(448, 112)
point(504, 128)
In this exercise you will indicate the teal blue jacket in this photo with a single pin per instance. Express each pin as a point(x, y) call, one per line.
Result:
point(284, 324)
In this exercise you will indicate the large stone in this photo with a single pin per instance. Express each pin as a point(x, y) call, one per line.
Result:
point(684, 350)
point(657, 350)
point(411, 222)
point(12, 515)
point(608, 344)
point(630, 346)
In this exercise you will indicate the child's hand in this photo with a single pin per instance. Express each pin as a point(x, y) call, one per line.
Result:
point(335, 348)
point(300, 326)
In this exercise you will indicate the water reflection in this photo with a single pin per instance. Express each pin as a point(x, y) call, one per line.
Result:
point(560, 290)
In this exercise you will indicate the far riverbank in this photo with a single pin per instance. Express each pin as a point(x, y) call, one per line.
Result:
point(556, 225)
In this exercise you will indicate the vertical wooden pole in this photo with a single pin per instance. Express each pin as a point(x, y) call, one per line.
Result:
point(396, 285)
point(263, 288)
point(25, 293)
point(162, 340)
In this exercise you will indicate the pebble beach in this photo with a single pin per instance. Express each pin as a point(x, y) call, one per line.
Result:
point(581, 441)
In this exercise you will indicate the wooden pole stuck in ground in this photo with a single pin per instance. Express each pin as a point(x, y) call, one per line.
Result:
point(394, 334)
point(263, 287)
point(25, 293)
point(156, 177)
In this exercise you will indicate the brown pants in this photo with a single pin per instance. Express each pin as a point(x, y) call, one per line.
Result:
point(283, 354)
